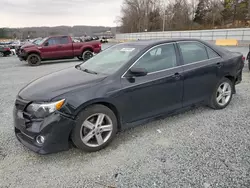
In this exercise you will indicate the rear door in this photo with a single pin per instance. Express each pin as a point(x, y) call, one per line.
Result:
point(65, 47)
point(201, 71)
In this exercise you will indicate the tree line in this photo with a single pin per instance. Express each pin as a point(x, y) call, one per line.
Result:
point(158, 15)
point(34, 32)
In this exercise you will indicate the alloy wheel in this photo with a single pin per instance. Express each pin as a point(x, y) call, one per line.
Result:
point(34, 60)
point(96, 130)
point(87, 55)
point(1, 54)
point(224, 93)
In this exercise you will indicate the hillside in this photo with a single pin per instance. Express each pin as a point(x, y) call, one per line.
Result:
point(33, 32)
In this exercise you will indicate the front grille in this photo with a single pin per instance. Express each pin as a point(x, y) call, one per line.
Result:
point(18, 50)
point(20, 106)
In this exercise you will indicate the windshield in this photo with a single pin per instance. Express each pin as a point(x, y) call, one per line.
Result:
point(40, 42)
point(37, 41)
point(112, 59)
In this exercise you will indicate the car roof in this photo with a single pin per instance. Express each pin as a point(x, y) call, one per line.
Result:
point(160, 41)
point(154, 42)
point(58, 36)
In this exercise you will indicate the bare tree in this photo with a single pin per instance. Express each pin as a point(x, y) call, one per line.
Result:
point(140, 15)
point(248, 9)
point(193, 6)
point(214, 16)
point(235, 3)
point(155, 15)
point(178, 15)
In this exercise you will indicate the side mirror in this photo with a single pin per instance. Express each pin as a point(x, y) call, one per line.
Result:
point(46, 44)
point(138, 72)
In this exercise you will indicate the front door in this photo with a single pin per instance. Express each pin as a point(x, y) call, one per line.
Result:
point(158, 92)
point(49, 49)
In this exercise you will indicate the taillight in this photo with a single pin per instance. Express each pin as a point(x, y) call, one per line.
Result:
point(243, 59)
point(7, 49)
point(100, 45)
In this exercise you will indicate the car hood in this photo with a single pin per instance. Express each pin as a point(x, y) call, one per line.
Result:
point(57, 83)
point(28, 45)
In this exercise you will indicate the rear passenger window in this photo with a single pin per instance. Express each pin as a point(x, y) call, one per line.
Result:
point(211, 53)
point(64, 40)
point(193, 52)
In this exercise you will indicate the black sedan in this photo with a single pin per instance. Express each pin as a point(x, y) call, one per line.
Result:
point(4, 51)
point(125, 85)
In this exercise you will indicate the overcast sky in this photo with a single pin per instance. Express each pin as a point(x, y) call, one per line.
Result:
point(25, 13)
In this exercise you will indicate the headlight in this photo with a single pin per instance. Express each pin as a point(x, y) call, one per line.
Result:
point(43, 110)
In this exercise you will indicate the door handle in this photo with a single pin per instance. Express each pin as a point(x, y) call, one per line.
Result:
point(219, 65)
point(177, 76)
point(59, 46)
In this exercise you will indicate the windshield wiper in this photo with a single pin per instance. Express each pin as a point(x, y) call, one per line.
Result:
point(78, 67)
point(89, 71)
point(85, 70)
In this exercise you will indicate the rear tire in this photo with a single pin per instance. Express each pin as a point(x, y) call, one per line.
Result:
point(96, 126)
point(80, 58)
point(1, 54)
point(222, 94)
point(86, 55)
point(34, 60)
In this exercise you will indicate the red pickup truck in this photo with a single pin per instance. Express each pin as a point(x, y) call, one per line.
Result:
point(57, 47)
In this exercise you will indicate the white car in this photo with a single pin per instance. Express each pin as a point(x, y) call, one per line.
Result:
point(13, 51)
point(14, 44)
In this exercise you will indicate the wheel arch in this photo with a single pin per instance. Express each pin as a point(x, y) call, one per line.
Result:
point(232, 79)
point(34, 52)
point(212, 100)
point(105, 103)
point(87, 48)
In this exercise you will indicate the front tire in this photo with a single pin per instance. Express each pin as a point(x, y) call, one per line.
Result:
point(96, 126)
point(34, 60)
point(222, 94)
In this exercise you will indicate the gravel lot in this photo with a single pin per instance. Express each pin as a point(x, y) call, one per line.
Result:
point(198, 148)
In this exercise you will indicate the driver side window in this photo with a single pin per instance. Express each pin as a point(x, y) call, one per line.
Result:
point(53, 41)
point(159, 58)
